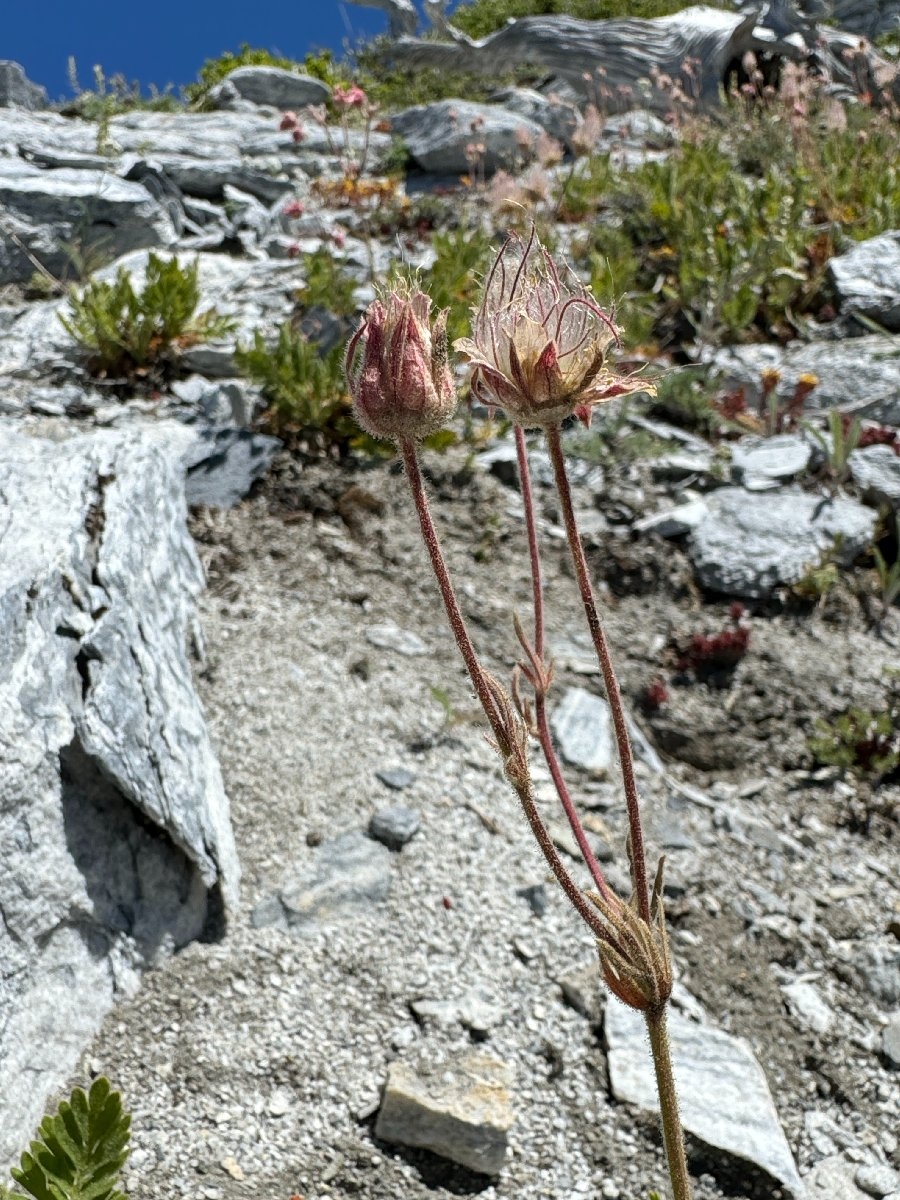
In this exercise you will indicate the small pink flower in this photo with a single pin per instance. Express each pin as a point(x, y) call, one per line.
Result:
point(293, 250)
point(339, 236)
point(288, 121)
point(293, 208)
point(298, 135)
point(351, 97)
point(397, 369)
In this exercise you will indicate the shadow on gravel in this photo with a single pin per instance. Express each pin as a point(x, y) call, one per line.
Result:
point(436, 1172)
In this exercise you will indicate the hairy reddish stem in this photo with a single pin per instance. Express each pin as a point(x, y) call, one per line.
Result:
point(613, 693)
point(673, 1134)
point(523, 790)
point(540, 700)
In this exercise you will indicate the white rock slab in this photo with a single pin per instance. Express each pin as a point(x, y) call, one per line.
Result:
point(461, 1110)
point(725, 1099)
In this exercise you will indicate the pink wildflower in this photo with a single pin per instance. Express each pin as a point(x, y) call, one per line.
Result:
point(397, 369)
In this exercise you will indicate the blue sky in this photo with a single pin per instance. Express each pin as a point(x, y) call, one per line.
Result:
point(166, 41)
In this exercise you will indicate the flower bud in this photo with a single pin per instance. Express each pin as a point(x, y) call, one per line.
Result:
point(397, 368)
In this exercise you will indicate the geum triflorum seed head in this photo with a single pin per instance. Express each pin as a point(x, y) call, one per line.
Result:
point(634, 959)
point(397, 368)
point(540, 341)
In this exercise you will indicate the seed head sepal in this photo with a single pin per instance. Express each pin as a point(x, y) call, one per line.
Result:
point(636, 963)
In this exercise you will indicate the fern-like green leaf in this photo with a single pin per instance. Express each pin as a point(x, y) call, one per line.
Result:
point(79, 1153)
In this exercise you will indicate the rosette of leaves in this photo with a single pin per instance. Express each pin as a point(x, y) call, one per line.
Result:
point(127, 333)
point(78, 1153)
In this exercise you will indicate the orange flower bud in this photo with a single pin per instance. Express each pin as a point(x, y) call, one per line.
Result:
point(397, 369)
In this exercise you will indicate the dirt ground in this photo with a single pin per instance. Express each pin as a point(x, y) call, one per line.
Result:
point(253, 1062)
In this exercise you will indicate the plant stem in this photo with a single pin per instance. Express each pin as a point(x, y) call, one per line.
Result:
point(673, 1136)
point(540, 699)
point(583, 907)
point(613, 693)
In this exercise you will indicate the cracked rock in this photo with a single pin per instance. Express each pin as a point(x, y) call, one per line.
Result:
point(114, 825)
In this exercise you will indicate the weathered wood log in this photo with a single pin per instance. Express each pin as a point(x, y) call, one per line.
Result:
point(624, 51)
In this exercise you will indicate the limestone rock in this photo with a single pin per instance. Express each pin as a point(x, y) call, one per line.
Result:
point(461, 1110)
point(877, 471)
point(437, 135)
point(270, 86)
point(114, 824)
point(49, 211)
point(395, 826)
point(348, 872)
point(775, 458)
point(832, 1179)
point(582, 727)
point(725, 1099)
point(17, 90)
point(867, 279)
point(559, 118)
point(861, 374)
point(750, 543)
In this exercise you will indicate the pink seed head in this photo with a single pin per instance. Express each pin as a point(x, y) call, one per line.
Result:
point(540, 340)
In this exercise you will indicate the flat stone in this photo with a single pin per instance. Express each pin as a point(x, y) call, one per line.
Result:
point(460, 1109)
point(582, 727)
point(674, 522)
point(867, 279)
point(876, 469)
point(480, 1011)
point(861, 374)
point(723, 1093)
point(394, 826)
point(223, 464)
point(890, 1040)
point(396, 778)
point(807, 1007)
point(750, 543)
point(877, 1179)
point(582, 990)
point(779, 457)
point(391, 637)
point(348, 873)
point(270, 86)
point(438, 134)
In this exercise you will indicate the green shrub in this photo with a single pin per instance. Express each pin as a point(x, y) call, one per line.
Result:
point(78, 1153)
point(391, 86)
point(113, 94)
point(125, 332)
point(685, 397)
point(326, 283)
point(860, 740)
point(305, 389)
point(452, 281)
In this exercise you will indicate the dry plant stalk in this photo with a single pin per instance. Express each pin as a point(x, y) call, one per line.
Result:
point(539, 350)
